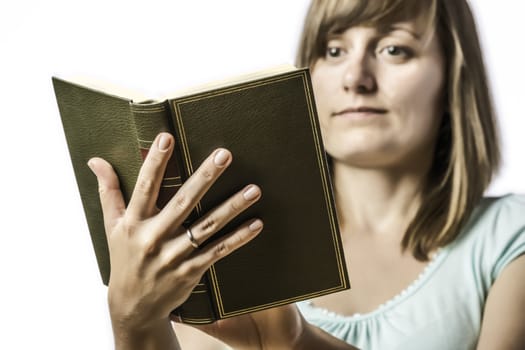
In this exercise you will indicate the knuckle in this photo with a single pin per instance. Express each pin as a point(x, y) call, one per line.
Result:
point(187, 272)
point(238, 240)
point(129, 225)
point(206, 174)
point(235, 206)
point(145, 186)
point(181, 201)
point(102, 190)
point(209, 225)
point(221, 249)
point(185, 280)
point(149, 247)
point(155, 157)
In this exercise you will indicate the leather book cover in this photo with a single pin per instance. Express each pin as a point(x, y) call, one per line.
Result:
point(98, 124)
point(270, 126)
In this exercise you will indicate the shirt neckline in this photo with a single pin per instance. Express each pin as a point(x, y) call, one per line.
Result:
point(412, 288)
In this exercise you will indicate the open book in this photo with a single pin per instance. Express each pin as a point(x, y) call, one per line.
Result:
point(269, 123)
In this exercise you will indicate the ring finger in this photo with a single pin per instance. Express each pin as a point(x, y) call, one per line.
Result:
point(212, 222)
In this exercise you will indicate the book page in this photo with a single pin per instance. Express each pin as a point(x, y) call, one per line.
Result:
point(137, 97)
point(234, 80)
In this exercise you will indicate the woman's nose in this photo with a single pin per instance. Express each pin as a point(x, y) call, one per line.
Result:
point(358, 76)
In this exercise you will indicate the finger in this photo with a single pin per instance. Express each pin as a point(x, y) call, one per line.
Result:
point(215, 251)
point(143, 200)
point(191, 192)
point(111, 200)
point(180, 247)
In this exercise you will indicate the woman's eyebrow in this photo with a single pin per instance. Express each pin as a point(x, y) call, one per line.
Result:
point(399, 27)
point(334, 36)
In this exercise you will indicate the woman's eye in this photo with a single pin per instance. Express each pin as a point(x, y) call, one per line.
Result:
point(397, 51)
point(394, 50)
point(332, 52)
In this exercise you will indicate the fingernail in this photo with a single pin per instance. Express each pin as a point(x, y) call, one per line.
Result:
point(256, 225)
point(251, 193)
point(221, 158)
point(164, 142)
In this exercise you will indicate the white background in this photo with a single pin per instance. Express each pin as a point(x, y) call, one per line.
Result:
point(51, 296)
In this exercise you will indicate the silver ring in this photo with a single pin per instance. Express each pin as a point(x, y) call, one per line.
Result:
point(193, 242)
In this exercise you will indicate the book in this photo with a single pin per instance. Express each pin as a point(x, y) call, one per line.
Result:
point(268, 121)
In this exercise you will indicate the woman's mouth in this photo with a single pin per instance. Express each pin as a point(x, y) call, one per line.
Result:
point(363, 112)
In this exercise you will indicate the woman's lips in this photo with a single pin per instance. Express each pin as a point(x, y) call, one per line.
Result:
point(360, 112)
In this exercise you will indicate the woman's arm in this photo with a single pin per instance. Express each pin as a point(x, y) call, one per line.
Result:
point(273, 329)
point(503, 326)
point(188, 336)
point(315, 338)
point(160, 336)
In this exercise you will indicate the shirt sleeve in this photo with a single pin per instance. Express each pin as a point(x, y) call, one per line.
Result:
point(504, 238)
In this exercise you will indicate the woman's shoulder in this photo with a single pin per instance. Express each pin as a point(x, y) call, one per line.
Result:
point(501, 213)
point(509, 200)
point(494, 218)
point(495, 234)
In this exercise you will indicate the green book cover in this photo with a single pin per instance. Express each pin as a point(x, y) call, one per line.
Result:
point(269, 123)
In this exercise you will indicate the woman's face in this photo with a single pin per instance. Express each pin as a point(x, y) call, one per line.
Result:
point(379, 95)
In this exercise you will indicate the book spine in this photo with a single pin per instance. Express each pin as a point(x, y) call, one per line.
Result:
point(151, 118)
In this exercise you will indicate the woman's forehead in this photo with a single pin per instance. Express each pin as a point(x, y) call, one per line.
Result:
point(408, 27)
point(419, 28)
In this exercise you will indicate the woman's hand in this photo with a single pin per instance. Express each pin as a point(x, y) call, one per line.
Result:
point(154, 266)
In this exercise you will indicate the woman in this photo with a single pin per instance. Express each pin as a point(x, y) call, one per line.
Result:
point(407, 122)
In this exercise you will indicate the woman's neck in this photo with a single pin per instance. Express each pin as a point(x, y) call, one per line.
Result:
point(377, 202)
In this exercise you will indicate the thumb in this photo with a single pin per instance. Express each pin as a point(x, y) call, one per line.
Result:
point(111, 199)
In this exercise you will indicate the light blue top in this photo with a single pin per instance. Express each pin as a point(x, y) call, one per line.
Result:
point(443, 308)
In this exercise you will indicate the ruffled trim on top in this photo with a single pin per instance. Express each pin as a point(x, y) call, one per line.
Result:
point(420, 281)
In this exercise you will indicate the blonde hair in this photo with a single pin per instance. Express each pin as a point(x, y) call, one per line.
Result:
point(467, 152)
